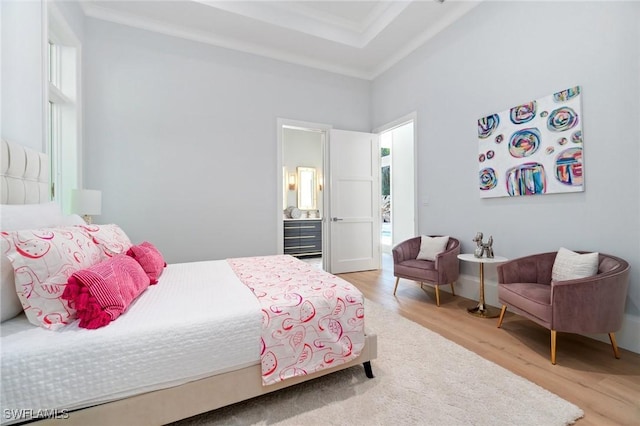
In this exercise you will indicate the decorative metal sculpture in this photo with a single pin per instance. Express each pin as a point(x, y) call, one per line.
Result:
point(483, 248)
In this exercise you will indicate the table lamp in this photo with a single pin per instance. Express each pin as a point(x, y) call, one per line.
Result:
point(86, 202)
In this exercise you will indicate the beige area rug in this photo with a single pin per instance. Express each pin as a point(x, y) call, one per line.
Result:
point(421, 378)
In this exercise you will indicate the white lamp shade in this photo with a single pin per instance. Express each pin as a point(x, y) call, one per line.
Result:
point(86, 201)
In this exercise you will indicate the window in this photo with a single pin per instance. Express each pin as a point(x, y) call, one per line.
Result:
point(63, 113)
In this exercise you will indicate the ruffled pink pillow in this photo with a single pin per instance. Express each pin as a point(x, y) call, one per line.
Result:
point(102, 292)
point(150, 258)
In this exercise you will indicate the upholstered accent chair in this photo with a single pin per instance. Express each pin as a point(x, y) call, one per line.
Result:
point(445, 269)
point(585, 305)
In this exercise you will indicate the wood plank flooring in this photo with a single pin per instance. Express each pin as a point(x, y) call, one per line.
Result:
point(586, 373)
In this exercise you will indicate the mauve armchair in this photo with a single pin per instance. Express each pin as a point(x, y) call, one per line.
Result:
point(444, 270)
point(586, 305)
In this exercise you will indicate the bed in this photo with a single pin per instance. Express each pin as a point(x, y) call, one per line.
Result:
point(191, 343)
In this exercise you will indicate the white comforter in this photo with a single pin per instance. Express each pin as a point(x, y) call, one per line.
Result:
point(199, 320)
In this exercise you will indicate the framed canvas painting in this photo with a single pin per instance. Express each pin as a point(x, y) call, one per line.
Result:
point(534, 148)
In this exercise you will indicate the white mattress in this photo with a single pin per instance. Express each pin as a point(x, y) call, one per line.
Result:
point(199, 320)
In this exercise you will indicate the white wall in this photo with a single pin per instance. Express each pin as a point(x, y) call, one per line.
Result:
point(502, 54)
point(22, 88)
point(181, 137)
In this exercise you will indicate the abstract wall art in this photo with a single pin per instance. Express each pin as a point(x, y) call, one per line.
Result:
point(534, 148)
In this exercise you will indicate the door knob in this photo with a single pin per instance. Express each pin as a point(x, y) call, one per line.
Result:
point(335, 219)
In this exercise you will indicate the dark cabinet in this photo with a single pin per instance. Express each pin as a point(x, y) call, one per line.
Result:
point(303, 237)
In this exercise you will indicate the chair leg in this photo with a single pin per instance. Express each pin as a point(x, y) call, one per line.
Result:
point(453, 293)
point(616, 352)
point(553, 347)
point(421, 285)
point(437, 296)
point(502, 312)
point(396, 287)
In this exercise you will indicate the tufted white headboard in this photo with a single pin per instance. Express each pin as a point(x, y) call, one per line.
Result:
point(24, 176)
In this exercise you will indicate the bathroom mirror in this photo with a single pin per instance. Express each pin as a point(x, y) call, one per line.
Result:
point(307, 188)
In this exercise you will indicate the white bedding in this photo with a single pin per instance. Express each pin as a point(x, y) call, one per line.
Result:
point(171, 335)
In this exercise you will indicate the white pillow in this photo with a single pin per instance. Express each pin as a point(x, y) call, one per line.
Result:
point(570, 265)
point(72, 219)
point(111, 239)
point(430, 247)
point(14, 217)
point(43, 260)
point(10, 305)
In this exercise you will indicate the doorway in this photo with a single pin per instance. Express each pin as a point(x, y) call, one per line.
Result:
point(398, 186)
point(347, 211)
point(301, 227)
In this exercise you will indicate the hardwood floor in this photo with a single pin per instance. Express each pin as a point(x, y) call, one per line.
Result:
point(586, 373)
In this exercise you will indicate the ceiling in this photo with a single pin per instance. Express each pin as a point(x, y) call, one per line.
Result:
point(356, 38)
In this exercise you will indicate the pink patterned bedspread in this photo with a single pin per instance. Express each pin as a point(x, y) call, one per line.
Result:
point(311, 319)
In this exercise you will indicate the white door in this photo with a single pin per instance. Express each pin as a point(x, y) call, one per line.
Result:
point(354, 220)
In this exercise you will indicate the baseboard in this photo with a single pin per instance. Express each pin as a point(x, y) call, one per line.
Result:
point(469, 286)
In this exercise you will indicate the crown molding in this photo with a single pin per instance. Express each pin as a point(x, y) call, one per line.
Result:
point(424, 37)
point(131, 20)
point(374, 23)
point(301, 18)
point(333, 20)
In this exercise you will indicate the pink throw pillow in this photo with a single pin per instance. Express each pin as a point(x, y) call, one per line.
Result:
point(43, 260)
point(101, 293)
point(111, 239)
point(150, 258)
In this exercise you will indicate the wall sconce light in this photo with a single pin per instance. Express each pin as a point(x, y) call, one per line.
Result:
point(86, 202)
point(319, 183)
point(292, 181)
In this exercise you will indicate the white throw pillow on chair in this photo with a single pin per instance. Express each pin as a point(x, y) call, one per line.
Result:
point(430, 247)
point(570, 265)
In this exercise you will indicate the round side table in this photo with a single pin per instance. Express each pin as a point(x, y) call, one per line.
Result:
point(481, 309)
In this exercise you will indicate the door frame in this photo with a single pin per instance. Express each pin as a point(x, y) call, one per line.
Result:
point(411, 117)
point(310, 126)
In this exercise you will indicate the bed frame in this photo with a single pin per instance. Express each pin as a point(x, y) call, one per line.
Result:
point(179, 402)
point(24, 179)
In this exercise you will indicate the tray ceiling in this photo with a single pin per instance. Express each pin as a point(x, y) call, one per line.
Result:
point(355, 38)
